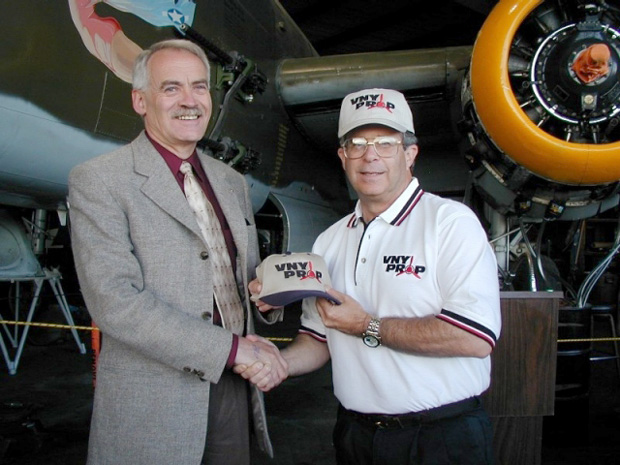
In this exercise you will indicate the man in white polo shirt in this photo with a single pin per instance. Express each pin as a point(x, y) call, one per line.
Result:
point(419, 312)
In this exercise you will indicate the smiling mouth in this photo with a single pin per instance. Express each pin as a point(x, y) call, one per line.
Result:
point(187, 114)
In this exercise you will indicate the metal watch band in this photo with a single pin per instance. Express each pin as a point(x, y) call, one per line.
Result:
point(373, 327)
point(371, 336)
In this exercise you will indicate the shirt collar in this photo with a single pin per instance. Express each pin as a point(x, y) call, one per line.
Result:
point(400, 208)
point(174, 162)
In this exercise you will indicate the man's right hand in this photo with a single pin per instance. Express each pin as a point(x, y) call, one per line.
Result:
point(260, 362)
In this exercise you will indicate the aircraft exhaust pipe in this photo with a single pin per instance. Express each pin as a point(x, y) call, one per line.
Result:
point(307, 81)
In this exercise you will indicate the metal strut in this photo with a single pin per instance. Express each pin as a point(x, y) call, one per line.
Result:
point(219, 55)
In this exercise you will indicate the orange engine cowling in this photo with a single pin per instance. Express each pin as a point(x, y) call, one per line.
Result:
point(542, 107)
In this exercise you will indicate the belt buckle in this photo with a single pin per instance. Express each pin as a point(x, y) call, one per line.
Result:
point(388, 423)
point(381, 424)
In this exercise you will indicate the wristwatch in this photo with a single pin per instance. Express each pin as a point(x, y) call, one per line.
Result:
point(371, 336)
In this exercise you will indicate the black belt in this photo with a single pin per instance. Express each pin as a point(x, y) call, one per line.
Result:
point(414, 418)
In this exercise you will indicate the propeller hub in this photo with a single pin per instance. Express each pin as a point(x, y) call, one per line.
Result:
point(574, 74)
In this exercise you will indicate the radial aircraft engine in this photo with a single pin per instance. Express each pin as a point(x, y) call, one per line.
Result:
point(541, 109)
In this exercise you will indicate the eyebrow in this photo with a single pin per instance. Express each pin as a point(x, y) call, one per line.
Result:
point(179, 83)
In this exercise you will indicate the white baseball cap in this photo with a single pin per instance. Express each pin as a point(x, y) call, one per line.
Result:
point(289, 277)
point(375, 106)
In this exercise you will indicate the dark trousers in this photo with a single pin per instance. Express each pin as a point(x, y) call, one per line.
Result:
point(228, 432)
point(461, 438)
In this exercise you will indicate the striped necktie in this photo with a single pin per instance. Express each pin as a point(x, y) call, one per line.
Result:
point(224, 284)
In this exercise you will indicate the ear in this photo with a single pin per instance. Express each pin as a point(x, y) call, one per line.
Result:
point(342, 157)
point(137, 100)
point(410, 155)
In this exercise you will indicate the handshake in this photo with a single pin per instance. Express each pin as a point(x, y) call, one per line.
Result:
point(260, 362)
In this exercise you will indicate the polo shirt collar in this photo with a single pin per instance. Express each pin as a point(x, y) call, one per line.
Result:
point(399, 210)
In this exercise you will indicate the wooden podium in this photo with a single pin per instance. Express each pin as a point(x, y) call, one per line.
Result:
point(523, 375)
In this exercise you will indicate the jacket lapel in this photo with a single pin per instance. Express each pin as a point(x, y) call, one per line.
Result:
point(160, 185)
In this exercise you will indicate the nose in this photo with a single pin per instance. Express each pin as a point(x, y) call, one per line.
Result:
point(187, 97)
point(371, 153)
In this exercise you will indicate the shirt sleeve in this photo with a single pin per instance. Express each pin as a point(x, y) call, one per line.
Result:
point(233, 352)
point(467, 275)
point(311, 322)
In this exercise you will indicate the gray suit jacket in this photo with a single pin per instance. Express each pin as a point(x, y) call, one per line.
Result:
point(138, 254)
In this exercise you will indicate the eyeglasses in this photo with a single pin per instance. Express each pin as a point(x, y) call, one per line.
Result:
point(385, 146)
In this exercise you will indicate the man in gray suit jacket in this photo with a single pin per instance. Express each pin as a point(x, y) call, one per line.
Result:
point(165, 391)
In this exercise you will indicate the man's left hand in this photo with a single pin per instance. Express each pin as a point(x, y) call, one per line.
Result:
point(349, 317)
point(255, 286)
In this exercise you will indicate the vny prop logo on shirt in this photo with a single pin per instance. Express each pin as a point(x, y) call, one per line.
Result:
point(302, 270)
point(372, 101)
point(402, 265)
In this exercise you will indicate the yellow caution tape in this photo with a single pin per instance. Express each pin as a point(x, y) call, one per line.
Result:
point(94, 328)
point(592, 339)
point(48, 325)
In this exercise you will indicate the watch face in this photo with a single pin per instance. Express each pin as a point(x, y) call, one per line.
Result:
point(370, 341)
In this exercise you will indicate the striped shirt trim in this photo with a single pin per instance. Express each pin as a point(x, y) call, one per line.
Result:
point(352, 221)
point(310, 332)
point(409, 206)
point(401, 216)
point(468, 325)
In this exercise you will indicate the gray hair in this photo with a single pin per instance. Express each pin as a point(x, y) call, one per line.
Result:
point(409, 139)
point(141, 76)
